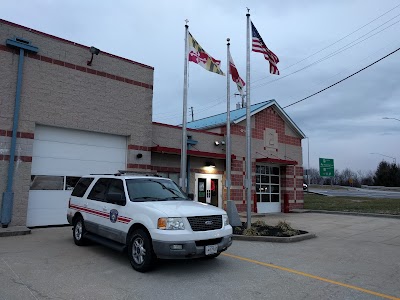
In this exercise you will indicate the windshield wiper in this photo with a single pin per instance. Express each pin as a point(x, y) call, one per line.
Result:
point(176, 197)
point(168, 189)
point(146, 198)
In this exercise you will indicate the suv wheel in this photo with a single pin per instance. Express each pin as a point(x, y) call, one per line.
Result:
point(79, 231)
point(140, 251)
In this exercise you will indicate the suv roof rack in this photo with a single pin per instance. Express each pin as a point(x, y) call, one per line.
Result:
point(101, 174)
point(125, 172)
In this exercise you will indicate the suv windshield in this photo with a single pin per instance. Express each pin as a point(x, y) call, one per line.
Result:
point(153, 190)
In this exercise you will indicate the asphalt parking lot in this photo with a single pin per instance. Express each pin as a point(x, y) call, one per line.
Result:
point(353, 257)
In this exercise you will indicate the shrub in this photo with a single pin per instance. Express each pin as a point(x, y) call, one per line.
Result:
point(251, 231)
point(287, 229)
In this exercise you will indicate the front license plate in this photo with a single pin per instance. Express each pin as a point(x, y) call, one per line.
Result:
point(211, 249)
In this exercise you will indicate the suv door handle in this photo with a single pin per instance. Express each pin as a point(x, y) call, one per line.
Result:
point(85, 205)
point(104, 208)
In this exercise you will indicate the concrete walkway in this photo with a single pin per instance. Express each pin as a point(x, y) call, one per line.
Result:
point(357, 228)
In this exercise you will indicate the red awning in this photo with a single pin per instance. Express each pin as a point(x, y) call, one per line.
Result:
point(277, 161)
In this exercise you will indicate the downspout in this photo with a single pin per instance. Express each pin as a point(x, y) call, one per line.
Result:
point(190, 143)
point(8, 196)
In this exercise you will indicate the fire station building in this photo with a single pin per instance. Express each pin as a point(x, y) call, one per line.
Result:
point(63, 116)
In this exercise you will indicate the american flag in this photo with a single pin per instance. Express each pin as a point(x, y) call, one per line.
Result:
point(258, 45)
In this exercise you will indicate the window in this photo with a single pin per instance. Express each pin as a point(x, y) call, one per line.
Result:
point(81, 187)
point(44, 182)
point(99, 190)
point(70, 182)
point(153, 189)
point(53, 183)
point(172, 176)
point(117, 187)
point(267, 183)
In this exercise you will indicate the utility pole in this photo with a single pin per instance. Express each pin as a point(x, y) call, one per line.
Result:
point(191, 111)
point(243, 96)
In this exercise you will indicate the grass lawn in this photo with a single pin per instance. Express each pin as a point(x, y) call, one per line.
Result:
point(352, 204)
point(327, 187)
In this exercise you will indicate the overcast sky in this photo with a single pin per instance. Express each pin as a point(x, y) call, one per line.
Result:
point(344, 123)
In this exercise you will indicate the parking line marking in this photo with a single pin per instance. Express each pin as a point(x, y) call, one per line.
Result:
point(311, 276)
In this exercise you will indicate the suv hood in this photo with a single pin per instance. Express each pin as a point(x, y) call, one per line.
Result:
point(185, 208)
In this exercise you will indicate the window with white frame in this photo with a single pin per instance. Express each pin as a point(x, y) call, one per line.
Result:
point(267, 183)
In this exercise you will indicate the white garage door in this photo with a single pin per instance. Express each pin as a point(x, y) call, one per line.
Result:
point(60, 157)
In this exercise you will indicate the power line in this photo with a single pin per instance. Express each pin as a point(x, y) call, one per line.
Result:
point(340, 50)
point(219, 100)
point(341, 39)
point(218, 103)
point(343, 79)
point(336, 52)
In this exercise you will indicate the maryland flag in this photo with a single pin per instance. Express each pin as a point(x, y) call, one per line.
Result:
point(202, 58)
point(235, 75)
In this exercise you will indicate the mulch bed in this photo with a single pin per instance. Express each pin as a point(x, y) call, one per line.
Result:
point(283, 229)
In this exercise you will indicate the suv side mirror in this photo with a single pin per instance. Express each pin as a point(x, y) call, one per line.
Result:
point(191, 196)
point(115, 198)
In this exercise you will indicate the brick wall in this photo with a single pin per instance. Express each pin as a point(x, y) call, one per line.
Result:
point(288, 148)
point(113, 96)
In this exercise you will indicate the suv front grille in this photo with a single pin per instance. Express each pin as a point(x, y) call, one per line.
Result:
point(204, 223)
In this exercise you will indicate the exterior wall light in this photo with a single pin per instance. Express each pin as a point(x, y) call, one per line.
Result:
point(209, 164)
point(93, 50)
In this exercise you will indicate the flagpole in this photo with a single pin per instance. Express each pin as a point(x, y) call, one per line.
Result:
point(248, 126)
point(228, 124)
point(182, 179)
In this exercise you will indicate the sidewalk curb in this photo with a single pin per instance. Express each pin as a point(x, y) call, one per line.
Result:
point(14, 231)
point(273, 239)
point(334, 212)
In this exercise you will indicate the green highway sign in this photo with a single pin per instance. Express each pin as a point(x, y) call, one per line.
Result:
point(326, 167)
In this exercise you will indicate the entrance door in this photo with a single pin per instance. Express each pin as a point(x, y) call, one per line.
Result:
point(268, 189)
point(208, 189)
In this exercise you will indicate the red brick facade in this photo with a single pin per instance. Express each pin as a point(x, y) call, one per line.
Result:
point(291, 176)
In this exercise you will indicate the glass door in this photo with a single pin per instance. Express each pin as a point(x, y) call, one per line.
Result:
point(208, 189)
point(268, 189)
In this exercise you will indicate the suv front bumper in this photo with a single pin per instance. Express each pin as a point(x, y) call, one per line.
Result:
point(189, 249)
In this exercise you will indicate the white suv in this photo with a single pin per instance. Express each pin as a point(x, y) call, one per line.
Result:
point(147, 215)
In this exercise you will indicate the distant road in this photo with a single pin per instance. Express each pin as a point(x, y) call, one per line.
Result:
point(357, 192)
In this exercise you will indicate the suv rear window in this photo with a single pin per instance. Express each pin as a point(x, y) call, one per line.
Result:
point(81, 187)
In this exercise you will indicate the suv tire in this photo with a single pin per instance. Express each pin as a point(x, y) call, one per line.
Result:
point(140, 251)
point(79, 231)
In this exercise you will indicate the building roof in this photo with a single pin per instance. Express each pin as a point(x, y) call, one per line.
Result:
point(239, 115)
point(2, 21)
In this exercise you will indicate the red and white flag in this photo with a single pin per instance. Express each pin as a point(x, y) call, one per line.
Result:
point(258, 45)
point(235, 75)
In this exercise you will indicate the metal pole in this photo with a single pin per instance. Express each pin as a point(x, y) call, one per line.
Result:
point(228, 124)
point(8, 195)
point(182, 178)
point(308, 171)
point(248, 127)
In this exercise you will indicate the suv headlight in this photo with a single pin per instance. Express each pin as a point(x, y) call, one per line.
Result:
point(226, 220)
point(170, 224)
